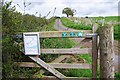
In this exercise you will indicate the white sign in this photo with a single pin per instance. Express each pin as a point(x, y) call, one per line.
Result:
point(31, 43)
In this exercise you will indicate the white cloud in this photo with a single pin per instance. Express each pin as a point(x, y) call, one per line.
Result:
point(83, 8)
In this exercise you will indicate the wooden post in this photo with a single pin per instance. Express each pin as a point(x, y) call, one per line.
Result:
point(94, 53)
point(106, 52)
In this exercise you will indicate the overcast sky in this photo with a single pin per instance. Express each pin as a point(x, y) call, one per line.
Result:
point(82, 7)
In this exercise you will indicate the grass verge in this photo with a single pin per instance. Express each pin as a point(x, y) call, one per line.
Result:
point(71, 24)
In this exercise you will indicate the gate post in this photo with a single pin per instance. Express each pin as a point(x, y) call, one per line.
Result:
point(106, 52)
point(94, 52)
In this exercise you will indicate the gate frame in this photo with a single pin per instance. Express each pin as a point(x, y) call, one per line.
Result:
point(50, 67)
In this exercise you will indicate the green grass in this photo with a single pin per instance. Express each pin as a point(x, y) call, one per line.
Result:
point(111, 18)
point(71, 24)
point(49, 27)
point(82, 72)
point(117, 76)
point(87, 57)
point(107, 18)
point(73, 43)
point(79, 73)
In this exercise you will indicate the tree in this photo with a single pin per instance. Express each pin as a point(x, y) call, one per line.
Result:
point(68, 11)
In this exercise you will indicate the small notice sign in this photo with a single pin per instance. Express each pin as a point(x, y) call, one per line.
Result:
point(80, 34)
point(64, 34)
point(72, 34)
point(31, 43)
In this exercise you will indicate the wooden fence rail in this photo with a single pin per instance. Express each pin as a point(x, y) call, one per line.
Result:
point(67, 51)
point(56, 65)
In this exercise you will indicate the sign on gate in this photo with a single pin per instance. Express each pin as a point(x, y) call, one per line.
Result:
point(31, 43)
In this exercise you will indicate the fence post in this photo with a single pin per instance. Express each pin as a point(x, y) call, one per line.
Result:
point(94, 52)
point(106, 52)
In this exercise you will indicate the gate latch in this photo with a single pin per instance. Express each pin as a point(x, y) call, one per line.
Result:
point(95, 34)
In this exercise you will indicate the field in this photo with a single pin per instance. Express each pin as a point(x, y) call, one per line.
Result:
point(107, 19)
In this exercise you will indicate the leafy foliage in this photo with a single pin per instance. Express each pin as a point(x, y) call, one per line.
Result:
point(68, 11)
point(14, 22)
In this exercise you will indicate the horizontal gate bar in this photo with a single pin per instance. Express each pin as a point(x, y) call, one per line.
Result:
point(67, 51)
point(66, 78)
point(69, 65)
point(65, 34)
point(57, 65)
